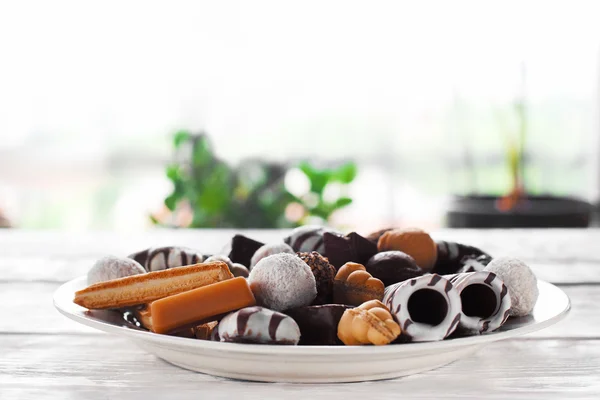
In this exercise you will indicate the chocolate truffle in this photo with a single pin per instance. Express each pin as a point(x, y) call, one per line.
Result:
point(393, 267)
point(452, 257)
point(412, 241)
point(350, 248)
point(318, 324)
point(241, 249)
point(159, 258)
point(282, 281)
point(521, 283)
point(324, 274)
point(111, 267)
point(268, 250)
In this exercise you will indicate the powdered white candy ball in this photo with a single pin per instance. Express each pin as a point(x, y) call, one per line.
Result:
point(520, 281)
point(282, 281)
point(268, 250)
point(111, 267)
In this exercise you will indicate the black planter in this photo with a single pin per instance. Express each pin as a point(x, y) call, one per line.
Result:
point(531, 212)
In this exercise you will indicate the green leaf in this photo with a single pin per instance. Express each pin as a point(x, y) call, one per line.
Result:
point(345, 173)
point(154, 220)
point(171, 201)
point(202, 154)
point(180, 137)
point(173, 172)
point(342, 202)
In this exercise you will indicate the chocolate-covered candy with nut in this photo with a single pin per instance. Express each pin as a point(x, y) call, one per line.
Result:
point(159, 258)
point(318, 324)
point(353, 285)
point(393, 267)
point(324, 274)
point(452, 257)
point(258, 325)
point(370, 323)
point(350, 248)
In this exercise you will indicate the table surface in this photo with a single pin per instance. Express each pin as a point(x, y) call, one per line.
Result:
point(45, 355)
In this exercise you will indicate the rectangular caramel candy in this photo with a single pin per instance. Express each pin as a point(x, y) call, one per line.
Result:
point(199, 304)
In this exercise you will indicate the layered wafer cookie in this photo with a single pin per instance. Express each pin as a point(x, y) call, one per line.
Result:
point(145, 288)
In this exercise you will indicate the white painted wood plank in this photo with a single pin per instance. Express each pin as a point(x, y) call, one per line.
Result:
point(104, 367)
point(559, 256)
point(27, 307)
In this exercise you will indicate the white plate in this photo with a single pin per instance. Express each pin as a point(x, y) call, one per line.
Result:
point(309, 363)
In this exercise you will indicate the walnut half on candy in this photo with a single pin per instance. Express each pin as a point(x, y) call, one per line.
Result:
point(353, 285)
point(370, 323)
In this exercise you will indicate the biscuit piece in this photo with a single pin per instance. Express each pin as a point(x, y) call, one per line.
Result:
point(353, 285)
point(142, 289)
point(370, 323)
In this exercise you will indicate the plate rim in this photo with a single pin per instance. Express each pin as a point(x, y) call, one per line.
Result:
point(304, 350)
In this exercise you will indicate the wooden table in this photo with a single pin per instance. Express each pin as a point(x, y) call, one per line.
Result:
point(45, 355)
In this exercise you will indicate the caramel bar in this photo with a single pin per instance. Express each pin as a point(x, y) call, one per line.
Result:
point(200, 304)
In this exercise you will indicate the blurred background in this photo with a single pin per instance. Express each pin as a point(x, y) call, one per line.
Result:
point(127, 115)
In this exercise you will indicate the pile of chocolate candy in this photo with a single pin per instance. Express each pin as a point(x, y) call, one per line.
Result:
point(316, 287)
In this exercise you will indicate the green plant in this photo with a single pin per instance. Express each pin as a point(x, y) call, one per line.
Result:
point(207, 192)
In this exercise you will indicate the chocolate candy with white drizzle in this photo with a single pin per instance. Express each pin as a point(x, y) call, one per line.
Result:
point(453, 257)
point(258, 325)
point(427, 308)
point(485, 301)
point(159, 258)
point(307, 238)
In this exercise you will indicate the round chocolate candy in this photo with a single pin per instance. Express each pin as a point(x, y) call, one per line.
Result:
point(393, 266)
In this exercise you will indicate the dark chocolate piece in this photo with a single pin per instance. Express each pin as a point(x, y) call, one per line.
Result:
point(324, 273)
point(318, 324)
point(350, 248)
point(242, 249)
point(392, 267)
point(451, 256)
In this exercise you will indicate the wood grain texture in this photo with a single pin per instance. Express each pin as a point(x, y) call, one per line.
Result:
point(558, 256)
point(107, 367)
point(45, 355)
